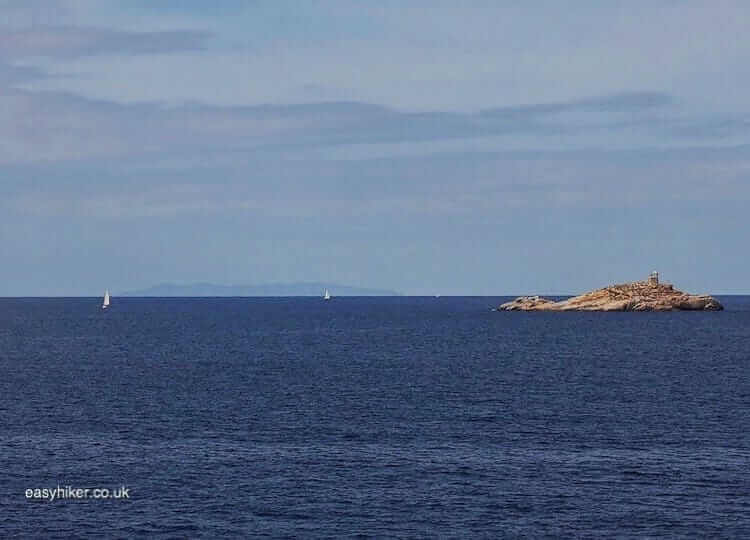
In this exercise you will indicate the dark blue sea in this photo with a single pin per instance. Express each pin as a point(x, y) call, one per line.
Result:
point(371, 417)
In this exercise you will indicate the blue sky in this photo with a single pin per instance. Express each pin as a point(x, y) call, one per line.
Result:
point(482, 148)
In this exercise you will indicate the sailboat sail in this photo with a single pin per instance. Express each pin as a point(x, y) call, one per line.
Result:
point(326, 295)
point(105, 304)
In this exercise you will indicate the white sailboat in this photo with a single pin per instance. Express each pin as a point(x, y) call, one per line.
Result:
point(105, 303)
point(326, 295)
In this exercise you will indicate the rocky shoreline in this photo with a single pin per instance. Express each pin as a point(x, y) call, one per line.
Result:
point(636, 296)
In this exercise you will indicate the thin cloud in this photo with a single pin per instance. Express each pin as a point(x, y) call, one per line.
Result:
point(66, 42)
point(623, 102)
point(11, 74)
point(54, 126)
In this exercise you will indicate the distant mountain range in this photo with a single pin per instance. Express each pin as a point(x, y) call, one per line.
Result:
point(269, 289)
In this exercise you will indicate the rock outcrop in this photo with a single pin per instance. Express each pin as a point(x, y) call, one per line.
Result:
point(636, 296)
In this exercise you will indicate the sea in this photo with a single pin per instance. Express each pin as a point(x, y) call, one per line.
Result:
point(404, 417)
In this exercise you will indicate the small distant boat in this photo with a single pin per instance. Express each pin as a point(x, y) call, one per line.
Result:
point(105, 303)
point(326, 295)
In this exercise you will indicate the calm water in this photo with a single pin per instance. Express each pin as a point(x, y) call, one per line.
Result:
point(403, 417)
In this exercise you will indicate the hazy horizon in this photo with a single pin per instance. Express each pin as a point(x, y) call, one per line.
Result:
point(147, 292)
point(486, 149)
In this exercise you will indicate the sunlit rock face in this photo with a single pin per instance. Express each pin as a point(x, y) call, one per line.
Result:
point(636, 296)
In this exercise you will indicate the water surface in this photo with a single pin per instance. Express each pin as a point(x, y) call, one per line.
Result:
point(376, 416)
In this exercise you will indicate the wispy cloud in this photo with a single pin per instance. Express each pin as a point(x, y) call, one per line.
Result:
point(56, 126)
point(73, 42)
point(455, 186)
point(624, 102)
point(12, 74)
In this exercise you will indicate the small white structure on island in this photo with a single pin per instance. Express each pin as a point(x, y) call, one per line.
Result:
point(653, 278)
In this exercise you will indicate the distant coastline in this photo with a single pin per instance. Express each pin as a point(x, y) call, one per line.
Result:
point(268, 289)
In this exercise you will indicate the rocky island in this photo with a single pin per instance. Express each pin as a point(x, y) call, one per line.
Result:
point(648, 295)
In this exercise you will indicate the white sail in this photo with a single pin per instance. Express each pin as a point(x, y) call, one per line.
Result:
point(326, 295)
point(105, 304)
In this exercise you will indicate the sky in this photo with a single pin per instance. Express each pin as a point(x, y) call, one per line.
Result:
point(454, 148)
